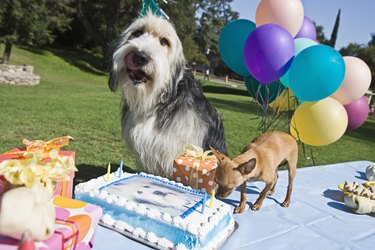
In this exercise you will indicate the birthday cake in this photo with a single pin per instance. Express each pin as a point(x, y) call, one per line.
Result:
point(158, 211)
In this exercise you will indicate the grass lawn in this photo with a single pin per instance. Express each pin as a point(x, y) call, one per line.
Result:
point(74, 99)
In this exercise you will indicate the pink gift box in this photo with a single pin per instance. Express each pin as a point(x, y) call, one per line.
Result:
point(75, 227)
point(63, 188)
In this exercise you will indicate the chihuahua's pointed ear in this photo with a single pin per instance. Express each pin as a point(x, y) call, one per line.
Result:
point(247, 167)
point(220, 156)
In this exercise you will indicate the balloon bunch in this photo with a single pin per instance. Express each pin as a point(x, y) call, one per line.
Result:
point(280, 48)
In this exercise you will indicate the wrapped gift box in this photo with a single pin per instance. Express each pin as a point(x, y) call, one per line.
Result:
point(75, 227)
point(63, 188)
point(196, 173)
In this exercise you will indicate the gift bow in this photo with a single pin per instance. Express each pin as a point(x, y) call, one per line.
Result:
point(191, 150)
point(30, 167)
point(41, 147)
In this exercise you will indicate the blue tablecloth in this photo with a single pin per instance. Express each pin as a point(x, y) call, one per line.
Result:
point(316, 219)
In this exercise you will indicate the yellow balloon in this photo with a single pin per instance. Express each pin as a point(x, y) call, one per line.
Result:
point(286, 13)
point(319, 123)
point(285, 101)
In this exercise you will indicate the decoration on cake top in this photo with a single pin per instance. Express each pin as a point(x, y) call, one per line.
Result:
point(157, 193)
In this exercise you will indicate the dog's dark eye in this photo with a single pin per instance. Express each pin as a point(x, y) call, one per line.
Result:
point(137, 33)
point(164, 42)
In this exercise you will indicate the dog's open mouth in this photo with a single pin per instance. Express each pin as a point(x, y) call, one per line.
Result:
point(136, 74)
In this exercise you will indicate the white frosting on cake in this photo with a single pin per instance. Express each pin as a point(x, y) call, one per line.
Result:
point(197, 230)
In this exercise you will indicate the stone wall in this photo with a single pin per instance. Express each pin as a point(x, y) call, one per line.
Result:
point(18, 75)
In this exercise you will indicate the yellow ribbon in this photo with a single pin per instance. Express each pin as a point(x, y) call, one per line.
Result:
point(30, 166)
point(191, 150)
point(196, 152)
point(42, 148)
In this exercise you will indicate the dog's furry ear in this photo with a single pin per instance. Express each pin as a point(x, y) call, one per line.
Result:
point(247, 167)
point(113, 78)
point(112, 81)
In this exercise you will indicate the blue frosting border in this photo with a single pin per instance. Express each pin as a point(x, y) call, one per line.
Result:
point(154, 178)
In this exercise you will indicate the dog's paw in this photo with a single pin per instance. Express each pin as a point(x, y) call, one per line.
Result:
point(285, 204)
point(239, 210)
point(256, 207)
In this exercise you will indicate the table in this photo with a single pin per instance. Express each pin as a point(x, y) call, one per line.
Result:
point(316, 219)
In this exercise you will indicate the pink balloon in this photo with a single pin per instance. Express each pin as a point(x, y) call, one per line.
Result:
point(286, 13)
point(356, 81)
point(357, 112)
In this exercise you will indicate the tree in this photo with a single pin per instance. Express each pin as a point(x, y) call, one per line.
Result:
point(321, 38)
point(182, 14)
point(332, 41)
point(98, 23)
point(31, 23)
point(214, 16)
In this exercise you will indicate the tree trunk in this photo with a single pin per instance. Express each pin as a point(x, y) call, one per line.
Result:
point(7, 51)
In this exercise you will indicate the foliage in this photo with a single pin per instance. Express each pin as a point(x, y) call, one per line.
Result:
point(24, 22)
point(182, 14)
point(98, 23)
point(321, 38)
point(332, 41)
point(214, 16)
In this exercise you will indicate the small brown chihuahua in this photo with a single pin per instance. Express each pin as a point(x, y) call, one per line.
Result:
point(258, 162)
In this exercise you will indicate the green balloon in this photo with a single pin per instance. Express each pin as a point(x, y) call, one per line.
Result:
point(263, 93)
point(232, 43)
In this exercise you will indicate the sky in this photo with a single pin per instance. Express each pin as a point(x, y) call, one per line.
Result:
point(357, 20)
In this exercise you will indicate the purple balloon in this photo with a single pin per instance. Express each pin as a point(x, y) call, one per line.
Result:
point(307, 30)
point(357, 113)
point(268, 52)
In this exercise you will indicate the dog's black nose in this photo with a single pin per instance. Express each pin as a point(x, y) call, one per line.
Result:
point(140, 58)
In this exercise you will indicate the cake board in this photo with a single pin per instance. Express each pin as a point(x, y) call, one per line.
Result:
point(156, 246)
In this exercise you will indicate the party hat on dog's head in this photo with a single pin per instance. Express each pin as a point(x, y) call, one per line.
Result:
point(151, 5)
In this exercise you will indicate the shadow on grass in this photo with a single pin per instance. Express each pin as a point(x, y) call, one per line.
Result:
point(366, 132)
point(235, 105)
point(81, 59)
point(87, 172)
point(224, 90)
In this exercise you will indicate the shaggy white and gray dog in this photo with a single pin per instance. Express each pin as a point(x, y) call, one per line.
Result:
point(163, 106)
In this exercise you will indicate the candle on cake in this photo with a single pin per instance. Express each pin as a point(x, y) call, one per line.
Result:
point(120, 169)
point(108, 175)
point(212, 198)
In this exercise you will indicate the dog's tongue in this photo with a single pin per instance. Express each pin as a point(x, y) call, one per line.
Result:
point(136, 73)
point(128, 61)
